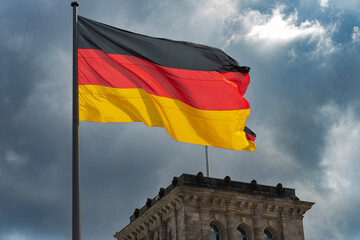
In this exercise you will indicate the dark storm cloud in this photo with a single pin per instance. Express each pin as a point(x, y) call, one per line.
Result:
point(121, 168)
point(36, 140)
point(123, 164)
point(35, 176)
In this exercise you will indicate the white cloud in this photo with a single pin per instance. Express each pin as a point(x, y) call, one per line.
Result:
point(278, 29)
point(355, 36)
point(349, 5)
point(14, 159)
point(209, 18)
point(340, 174)
point(324, 3)
point(340, 159)
point(215, 9)
point(16, 235)
point(200, 21)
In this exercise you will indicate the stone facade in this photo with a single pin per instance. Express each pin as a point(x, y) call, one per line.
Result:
point(185, 210)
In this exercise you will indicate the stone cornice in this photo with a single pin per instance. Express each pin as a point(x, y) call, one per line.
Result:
point(151, 215)
point(223, 201)
point(217, 195)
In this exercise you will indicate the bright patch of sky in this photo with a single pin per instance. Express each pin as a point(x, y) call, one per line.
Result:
point(340, 174)
point(218, 9)
point(18, 235)
point(355, 36)
point(340, 159)
point(277, 29)
point(14, 159)
point(324, 3)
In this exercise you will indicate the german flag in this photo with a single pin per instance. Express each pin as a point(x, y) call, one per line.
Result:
point(194, 91)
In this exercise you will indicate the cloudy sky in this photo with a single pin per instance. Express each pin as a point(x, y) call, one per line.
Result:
point(304, 97)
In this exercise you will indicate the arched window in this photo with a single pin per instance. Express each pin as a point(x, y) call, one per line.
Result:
point(214, 232)
point(242, 234)
point(268, 235)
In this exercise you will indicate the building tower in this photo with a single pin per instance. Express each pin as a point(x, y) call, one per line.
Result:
point(202, 208)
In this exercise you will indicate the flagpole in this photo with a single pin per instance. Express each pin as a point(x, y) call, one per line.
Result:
point(207, 161)
point(76, 230)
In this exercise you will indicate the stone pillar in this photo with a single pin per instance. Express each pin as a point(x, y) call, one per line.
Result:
point(292, 228)
point(204, 220)
point(180, 224)
point(282, 225)
point(162, 231)
point(258, 231)
point(150, 235)
point(230, 227)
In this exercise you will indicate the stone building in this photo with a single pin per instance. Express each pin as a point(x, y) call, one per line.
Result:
point(201, 208)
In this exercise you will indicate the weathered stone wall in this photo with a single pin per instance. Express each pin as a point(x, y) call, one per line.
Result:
point(184, 211)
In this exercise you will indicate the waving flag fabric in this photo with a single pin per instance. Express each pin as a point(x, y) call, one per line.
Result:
point(194, 91)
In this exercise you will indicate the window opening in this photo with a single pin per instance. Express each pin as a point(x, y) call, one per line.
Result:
point(214, 232)
point(242, 235)
point(268, 235)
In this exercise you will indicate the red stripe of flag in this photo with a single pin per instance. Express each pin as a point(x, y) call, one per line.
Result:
point(207, 90)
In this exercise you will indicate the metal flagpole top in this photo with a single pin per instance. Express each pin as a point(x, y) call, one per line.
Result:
point(75, 4)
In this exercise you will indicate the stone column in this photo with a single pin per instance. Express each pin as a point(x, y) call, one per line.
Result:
point(282, 225)
point(204, 220)
point(230, 227)
point(258, 231)
point(162, 231)
point(150, 235)
point(292, 228)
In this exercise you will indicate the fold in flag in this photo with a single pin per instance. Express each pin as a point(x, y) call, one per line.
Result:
point(194, 91)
